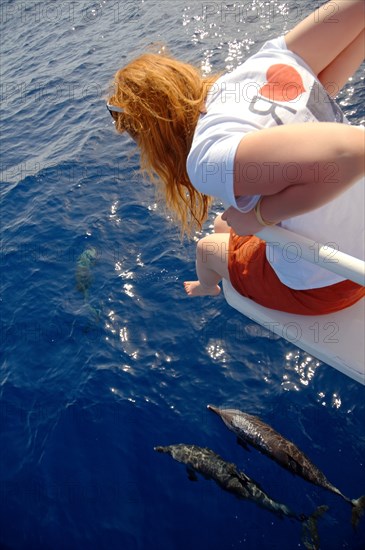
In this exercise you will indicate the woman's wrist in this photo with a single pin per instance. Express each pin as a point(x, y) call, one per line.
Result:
point(262, 221)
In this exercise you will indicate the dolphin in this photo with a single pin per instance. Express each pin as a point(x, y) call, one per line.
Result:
point(225, 474)
point(211, 466)
point(83, 274)
point(84, 278)
point(253, 431)
point(228, 477)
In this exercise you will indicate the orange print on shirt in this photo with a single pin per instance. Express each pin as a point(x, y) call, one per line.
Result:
point(284, 83)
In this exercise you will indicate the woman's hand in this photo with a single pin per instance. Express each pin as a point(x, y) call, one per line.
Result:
point(242, 224)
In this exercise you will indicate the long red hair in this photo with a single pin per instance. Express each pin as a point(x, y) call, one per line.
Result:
point(162, 99)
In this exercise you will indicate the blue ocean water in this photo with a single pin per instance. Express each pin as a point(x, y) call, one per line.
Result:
point(90, 384)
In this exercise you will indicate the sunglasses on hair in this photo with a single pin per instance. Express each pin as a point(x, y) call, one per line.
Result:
point(114, 109)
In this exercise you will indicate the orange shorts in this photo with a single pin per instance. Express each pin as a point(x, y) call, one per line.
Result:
point(252, 276)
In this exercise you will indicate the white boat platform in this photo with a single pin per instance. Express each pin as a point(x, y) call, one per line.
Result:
point(336, 339)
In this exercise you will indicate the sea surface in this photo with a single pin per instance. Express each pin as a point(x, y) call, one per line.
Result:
point(93, 378)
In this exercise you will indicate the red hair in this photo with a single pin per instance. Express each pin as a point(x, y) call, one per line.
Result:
point(162, 99)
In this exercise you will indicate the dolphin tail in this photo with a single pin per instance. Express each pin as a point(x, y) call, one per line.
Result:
point(357, 510)
point(96, 313)
point(310, 536)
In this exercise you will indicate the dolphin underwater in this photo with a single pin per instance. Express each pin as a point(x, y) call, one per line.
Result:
point(228, 477)
point(84, 277)
point(83, 274)
point(211, 466)
point(253, 431)
point(225, 474)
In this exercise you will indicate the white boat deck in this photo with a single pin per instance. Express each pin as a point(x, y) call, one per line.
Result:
point(336, 339)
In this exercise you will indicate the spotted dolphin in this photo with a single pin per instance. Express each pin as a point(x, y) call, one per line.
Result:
point(253, 431)
point(83, 273)
point(84, 278)
point(225, 474)
point(228, 477)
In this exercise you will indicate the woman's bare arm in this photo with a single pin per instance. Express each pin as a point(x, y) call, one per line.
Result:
point(273, 159)
point(297, 168)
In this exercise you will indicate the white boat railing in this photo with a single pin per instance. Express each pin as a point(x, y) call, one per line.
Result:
point(337, 339)
point(327, 257)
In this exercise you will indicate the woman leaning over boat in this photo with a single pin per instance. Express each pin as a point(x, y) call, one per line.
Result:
point(278, 150)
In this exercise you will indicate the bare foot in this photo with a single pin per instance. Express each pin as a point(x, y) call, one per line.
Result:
point(194, 288)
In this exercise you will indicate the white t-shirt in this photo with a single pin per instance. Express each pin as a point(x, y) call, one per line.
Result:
point(273, 87)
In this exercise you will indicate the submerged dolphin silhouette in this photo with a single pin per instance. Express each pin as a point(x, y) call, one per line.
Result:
point(250, 429)
point(229, 478)
point(84, 277)
point(83, 274)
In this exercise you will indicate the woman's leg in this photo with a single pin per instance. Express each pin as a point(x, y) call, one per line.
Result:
point(211, 265)
point(327, 33)
point(337, 73)
point(220, 226)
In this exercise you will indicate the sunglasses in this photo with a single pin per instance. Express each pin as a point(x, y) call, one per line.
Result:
point(113, 109)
